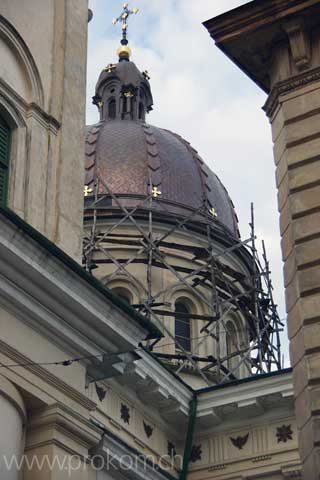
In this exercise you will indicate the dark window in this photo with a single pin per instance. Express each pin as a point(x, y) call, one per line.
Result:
point(5, 135)
point(125, 105)
point(112, 109)
point(123, 293)
point(231, 340)
point(182, 325)
point(141, 111)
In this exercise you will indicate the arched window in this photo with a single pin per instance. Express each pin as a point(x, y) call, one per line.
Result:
point(231, 344)
point(141, 111)
point(5, 139)
point(112, 109)
point(124, 294)
point(182, 325)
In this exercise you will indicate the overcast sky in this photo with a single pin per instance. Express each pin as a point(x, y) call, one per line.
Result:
point(202, 96)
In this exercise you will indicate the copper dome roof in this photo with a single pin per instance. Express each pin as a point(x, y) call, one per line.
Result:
point(128, 155)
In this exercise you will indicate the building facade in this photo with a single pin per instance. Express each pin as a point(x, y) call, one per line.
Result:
point(158, 356)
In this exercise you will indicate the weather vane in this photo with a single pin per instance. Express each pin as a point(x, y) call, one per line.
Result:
point(123, 18)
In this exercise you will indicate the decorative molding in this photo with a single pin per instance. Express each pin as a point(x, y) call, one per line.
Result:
point(240, 442)
point(27, 110)
point(284, 433)
point(125, 458)
point(299, 42)
point(148, 429)
point(196, 453)
point(214, 468)
point(17, 43)
point(243, 399)
point(292, 471)
point(63, 419)
point(125, 413)
point(261, 458)
point(101, 392)
point(287, 86)
point(46, 376)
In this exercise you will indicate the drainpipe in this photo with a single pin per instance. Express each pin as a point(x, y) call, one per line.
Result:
point(189, 438)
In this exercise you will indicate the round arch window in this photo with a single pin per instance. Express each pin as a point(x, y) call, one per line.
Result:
point(124, 294)
point(182, 323)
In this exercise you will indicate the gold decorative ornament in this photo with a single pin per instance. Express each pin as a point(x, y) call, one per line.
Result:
point(87, 190)
point(213, 212)
point(111, 67)
point(124, 51)
point(100, 104)
point(156, 192)
point(128, 94)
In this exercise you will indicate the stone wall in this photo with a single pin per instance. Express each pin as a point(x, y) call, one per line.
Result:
point(42, 97)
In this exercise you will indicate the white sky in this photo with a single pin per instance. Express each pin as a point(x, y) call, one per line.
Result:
point(201, 95)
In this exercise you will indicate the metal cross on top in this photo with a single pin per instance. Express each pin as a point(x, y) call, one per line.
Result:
point(123, 18)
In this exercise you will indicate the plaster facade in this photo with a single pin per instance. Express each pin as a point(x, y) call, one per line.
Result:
point(42, 98)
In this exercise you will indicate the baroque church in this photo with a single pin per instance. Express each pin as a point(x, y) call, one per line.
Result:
point(139, 335)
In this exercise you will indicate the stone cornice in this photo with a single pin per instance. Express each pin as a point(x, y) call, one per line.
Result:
point(244, 400)
point(43, 374)
point(252, 16)
point(118, 456)
point(65, 300)
point(289, 85)
point(64, 420)
point(28, 110)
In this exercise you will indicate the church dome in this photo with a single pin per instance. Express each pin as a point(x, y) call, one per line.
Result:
point(127, 157)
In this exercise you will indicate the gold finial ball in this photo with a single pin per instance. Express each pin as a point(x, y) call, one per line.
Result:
point(124, 51)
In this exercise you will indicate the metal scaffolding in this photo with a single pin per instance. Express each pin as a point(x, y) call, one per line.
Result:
point(226, 288)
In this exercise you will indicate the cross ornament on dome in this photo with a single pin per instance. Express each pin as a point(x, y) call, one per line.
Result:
point(213, 212)
point(123, 18)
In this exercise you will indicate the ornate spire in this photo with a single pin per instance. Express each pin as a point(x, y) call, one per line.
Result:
point(124, 51)
point(122, 91)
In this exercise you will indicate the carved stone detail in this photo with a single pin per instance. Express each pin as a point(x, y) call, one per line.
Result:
point(101, 392)
point(125, 413)
point(148, 429)
point(196, 453)
point(284, 433)
point(299, 42)
point(286, 86)
point(240, 442)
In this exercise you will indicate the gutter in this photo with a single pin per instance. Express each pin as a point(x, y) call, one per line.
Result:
point(189, 438)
